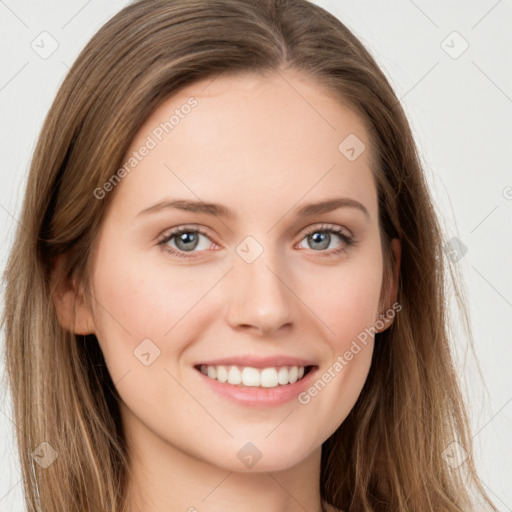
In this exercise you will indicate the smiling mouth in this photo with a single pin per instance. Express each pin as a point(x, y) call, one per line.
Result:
point(247, 376)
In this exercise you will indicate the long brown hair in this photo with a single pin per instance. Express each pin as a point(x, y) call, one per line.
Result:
point(388, 455)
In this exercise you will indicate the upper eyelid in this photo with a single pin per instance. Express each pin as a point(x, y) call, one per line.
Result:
point(169, 232)
point(326, 227)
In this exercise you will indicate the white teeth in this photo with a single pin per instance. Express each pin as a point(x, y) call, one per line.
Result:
point(234, 375)
point(269, 378)
point(254, 377)
point(212, 372)
point(282, 376)
point(251, 377)
point(222, 374)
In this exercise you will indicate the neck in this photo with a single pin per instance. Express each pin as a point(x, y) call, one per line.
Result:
point(163, 478)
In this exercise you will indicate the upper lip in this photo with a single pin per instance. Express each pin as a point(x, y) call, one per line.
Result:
point(259, 362)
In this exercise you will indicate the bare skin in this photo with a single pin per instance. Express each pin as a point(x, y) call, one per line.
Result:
point(262, 147)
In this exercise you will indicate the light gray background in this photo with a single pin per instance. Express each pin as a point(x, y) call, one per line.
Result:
point(460, 108)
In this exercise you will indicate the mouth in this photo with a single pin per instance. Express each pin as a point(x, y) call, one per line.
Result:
point(250, 377)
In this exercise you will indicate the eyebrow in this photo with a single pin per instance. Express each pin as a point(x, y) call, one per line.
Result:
point(219, 210)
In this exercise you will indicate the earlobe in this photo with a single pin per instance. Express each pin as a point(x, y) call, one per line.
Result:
point(68, 298)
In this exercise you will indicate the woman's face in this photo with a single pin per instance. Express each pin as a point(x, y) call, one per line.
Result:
point(264, 284)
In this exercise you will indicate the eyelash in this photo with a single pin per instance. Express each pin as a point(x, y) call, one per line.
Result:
point(347, 238)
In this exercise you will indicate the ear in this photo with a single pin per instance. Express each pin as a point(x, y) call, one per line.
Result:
point(69, 299)
point(389, 293)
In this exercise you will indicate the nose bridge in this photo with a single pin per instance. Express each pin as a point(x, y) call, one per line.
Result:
point(259, 295)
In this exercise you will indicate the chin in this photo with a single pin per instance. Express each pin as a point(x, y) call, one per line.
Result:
point(263, 456)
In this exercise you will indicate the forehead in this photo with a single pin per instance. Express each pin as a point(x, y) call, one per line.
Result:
point(251, 141)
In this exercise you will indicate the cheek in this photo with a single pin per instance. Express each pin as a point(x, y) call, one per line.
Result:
point(140, 291)
point(141, 297)
point(346, 308)
point(346, 299)
point(131, 303)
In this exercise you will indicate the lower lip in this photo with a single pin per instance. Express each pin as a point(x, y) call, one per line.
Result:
point(258, 396)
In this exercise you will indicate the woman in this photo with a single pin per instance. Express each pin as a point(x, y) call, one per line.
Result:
point(257, 369)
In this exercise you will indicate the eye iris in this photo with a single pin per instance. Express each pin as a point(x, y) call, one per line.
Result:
point(184, 238)
point(323, 238)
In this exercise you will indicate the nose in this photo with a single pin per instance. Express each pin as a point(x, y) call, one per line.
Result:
point(260, 298)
